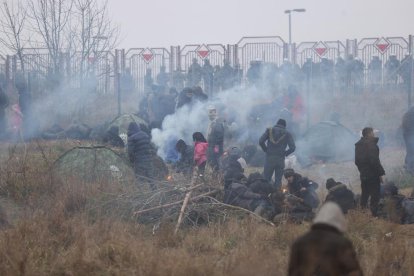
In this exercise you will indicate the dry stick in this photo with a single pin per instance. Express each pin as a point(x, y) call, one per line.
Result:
point(186, 199)
point(242, 209)
point(175, 203)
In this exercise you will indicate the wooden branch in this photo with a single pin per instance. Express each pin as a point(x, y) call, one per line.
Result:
point(175, 203)
point(242, 209)
point(186, 199)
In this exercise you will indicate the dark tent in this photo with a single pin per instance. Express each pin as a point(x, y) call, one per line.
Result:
point(326, 141)
point(89, 164)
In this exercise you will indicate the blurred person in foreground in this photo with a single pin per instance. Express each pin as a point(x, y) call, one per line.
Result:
point(371, 171)
point(324, 250)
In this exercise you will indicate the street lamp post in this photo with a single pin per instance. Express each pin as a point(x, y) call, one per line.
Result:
point(290, 21)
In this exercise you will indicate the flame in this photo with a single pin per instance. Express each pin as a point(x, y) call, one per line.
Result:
point(284, 191)
point(169, 178)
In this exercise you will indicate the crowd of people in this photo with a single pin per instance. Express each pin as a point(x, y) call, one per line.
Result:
point(346, 75)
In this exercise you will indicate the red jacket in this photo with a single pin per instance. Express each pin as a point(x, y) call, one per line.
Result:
point(200, 153)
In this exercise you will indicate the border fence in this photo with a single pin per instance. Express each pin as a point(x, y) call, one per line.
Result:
point(376, 62)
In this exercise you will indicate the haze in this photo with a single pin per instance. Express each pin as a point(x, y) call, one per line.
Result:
point(157, 23)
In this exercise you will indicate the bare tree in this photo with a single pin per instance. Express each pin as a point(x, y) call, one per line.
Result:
point(93, 35)
point(50, 21)
point(13, 21)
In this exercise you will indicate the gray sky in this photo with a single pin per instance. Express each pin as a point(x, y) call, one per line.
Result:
point(156, 23)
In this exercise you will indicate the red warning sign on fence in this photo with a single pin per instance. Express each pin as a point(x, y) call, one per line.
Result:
point(147, 55)
point(203, 51)
point(382, 45)
point(320, 48)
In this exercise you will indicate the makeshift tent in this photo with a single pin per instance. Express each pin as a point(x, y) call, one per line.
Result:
point(124, 120)
point(326, 141)
point(93, 164)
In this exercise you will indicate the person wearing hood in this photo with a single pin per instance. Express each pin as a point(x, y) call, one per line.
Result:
point(274, 142)
point(112, 137)
point(324, 250)
point(340, 194)
point(140, 153)
point(371, 171)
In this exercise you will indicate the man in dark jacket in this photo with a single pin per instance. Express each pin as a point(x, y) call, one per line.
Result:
point(340, 194)
point(302, 188)
point(112, 138)
point(140, 153)
point(324, 250)
point(370, 169)
point(274, 142)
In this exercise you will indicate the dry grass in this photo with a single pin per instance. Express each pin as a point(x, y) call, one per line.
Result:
point(76, 229)
point(64, 230)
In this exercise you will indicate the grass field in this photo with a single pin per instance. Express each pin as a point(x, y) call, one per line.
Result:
point(57, 228)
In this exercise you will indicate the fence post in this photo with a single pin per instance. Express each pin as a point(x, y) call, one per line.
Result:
point(411, 82)
point(117, 79)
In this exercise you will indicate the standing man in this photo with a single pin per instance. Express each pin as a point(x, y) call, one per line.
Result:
point(274, 142)
point(370, 169)
point(215, 138)
point(140, 154)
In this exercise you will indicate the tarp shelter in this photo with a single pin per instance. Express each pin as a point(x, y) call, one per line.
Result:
point(89, 164)
point(326, 141)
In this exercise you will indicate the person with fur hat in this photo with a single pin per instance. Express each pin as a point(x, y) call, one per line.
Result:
point(324, 250)
point(340, 194)
point(274, 142)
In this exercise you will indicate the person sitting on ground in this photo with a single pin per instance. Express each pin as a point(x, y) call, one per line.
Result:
point(302, 188)
point(232, 166)
point(390, 206)
point(340, 194)
point(200, 152)
point(258, 184)
point(238, 194)
point(112, 138)
point(185, 163)
point(324, 250)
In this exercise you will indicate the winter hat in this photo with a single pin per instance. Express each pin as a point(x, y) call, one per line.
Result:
point(281, 122)
point(234, 152)
point(332, 215)
point(330, 183)
point(288, 172)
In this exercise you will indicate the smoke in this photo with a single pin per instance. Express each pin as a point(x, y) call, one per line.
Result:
point(234, 105)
